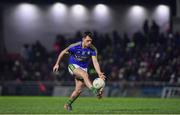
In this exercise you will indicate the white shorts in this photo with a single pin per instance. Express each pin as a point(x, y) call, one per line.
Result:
point(72, 67)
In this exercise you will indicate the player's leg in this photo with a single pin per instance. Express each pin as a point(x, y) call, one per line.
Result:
point(83, 74)
point(100, 93)
point(79, 84)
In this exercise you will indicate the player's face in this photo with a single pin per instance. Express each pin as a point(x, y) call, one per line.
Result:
point(87, 41)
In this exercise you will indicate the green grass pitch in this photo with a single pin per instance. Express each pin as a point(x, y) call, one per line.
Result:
point(90, 105)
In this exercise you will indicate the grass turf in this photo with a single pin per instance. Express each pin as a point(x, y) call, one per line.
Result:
point(54, 105)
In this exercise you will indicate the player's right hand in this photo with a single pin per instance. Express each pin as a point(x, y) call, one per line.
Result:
point(55, 68)
point(102, 76)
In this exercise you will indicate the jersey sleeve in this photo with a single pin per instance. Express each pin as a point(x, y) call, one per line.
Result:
point(94, 51)
point(72, 47)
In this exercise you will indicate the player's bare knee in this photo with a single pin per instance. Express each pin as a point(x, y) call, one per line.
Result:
point(85, 75)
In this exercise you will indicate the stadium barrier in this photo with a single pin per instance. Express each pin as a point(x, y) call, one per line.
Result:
point(67, 90)
point(112, 89)
point(169, 92)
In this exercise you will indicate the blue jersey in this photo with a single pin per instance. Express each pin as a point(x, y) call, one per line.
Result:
point(81, 56)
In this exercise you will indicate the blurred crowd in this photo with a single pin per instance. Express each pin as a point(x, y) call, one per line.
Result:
point(148, 55)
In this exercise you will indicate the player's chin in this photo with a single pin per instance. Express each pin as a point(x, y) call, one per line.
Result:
point(88, 45)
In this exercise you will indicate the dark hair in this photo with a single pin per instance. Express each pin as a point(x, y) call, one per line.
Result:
point(87, 33)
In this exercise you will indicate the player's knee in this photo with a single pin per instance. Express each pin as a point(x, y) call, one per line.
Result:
point(85, 75)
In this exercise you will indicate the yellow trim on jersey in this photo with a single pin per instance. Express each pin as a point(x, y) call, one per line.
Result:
point(94, 48)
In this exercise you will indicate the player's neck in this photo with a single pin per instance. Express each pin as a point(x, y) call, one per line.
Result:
point(83, 46)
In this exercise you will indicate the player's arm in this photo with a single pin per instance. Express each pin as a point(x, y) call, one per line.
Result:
point(65, 51)
point(97, 67)
point(56, 66)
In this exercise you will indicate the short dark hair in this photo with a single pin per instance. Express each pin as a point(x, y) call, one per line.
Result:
point(87, 33)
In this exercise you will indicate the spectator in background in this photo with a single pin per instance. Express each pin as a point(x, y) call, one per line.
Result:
point(25, 52)
point(152, 57)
